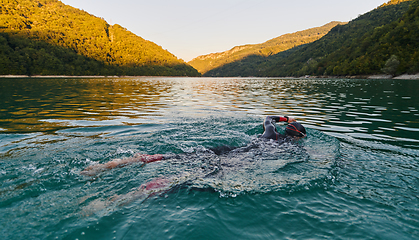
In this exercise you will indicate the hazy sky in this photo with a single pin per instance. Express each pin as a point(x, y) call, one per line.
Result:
point(189, 28)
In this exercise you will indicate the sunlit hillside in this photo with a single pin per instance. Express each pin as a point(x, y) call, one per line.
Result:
point(49, 37)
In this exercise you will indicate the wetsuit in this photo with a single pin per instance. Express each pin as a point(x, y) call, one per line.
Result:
point(270, 129)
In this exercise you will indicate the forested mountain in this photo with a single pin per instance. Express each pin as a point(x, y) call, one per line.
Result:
point(208, 62)
point(384, 40)
point(47, 37)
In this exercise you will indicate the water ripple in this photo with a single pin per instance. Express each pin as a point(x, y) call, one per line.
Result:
point(356, 177)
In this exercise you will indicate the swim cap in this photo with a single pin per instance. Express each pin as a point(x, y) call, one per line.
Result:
point(295, 129)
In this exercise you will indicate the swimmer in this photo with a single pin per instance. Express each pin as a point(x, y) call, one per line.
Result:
point(225, 159)
point(294, 129)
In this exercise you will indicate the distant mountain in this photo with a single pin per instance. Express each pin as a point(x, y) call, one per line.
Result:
point(47, 37)
point(384, 40)
point(208, 62)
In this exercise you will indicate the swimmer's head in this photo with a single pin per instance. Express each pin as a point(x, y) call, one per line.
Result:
point(295, 129)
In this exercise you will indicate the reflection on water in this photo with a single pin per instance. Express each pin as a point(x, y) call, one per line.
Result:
point(31, 105)
point(351, 109)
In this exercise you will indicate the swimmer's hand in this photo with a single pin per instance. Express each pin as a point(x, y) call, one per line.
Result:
point(290, 120)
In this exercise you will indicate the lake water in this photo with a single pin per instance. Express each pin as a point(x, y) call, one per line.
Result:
point(355, 176)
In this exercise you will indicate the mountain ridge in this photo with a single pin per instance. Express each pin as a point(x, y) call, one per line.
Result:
point(281, 43)
point(361, 47)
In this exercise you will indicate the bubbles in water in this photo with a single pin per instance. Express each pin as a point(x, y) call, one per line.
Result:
point(123, 151)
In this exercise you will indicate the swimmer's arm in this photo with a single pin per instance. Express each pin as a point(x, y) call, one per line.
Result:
point(145, 158)
point(281, 119)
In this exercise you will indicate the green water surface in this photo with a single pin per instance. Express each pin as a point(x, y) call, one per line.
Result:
point(355, 176)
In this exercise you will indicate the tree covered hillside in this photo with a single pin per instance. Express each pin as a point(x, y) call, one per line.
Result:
point(208, 62)
point(386, 35)
point(47, 37)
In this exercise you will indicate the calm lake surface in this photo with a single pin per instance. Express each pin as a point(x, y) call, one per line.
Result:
point(355, 176)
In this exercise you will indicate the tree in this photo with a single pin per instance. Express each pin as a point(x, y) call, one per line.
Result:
point(391, 65)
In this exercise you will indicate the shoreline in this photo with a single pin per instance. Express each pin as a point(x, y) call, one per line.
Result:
point(382, 76)
point(54, 76)
point(87, 76)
